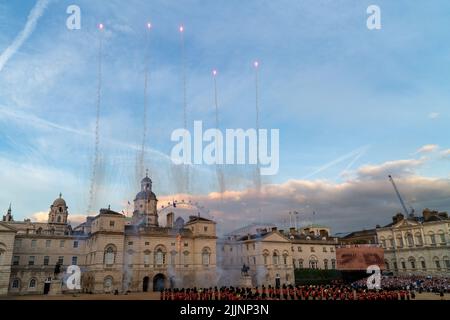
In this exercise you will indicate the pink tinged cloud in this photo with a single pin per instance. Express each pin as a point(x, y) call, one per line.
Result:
point(428, 148)
point(37, 11)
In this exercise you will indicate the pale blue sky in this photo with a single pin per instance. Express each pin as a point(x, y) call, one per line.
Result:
point(342, 96)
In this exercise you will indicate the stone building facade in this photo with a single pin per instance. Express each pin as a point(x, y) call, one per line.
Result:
point(417, 245)
point(272, 255)
point(111, 253)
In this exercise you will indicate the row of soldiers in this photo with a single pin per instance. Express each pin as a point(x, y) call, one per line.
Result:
point(285, 292)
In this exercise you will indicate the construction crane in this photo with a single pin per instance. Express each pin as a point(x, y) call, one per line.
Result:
point(400, 198)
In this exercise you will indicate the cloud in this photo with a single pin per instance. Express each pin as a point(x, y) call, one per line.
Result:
point(37, 11)
point(446, 154)
point(427, 148)
point(433, 115)
point(364, 201)
point(74, 219)
point(395, 168)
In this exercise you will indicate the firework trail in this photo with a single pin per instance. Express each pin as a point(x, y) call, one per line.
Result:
point(219, 171)
point(140, 171)
point(182, 172)
point(257, 179)
point(95, 165)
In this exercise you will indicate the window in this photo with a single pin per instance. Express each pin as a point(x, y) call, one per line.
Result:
point(333, 264)
point(395, 265)
point(275, 258)
point(419, 241)
point(265, 259)
point(300, 263)
point(16, 260)
point(61, 244)
point(206, 256)
point(433, 239)
point(442, 236)
point(110, 256)
point(160, 257)
point(391, 243)
point(48, 243)
point(447, 263)
point(173, 258)
point(383, 243)
point(299, 249)
point(313, 263)
point(130, 243)
point(386, 263)
point(332, 249)
point(46, 260)
point(285, 259)
point(403, 265)
point(18, 243)
point(312, 249)
point(147, 258)
point(61, 260)
point(205, 229)
point(32, 284)
point(413, 264)
point(74, 260)
point(33, 243)
point(254, 260)
point(2, 254)
point(15, 284)
point(399, 242)
point(324, 249)
point(438, 264)
point(325, 264)
point(147, 243)
point(111, 224)
point(410, 240)
point(422, 263)
point(185, 244)
point(31, 260)
point(186, 258)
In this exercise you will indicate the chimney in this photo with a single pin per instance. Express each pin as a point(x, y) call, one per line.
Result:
point(169, 223)
point(274, 229)
point(291, 230)
point(426, 214)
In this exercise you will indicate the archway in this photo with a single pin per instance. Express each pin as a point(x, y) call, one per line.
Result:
point(158, 282)
point(145, 283)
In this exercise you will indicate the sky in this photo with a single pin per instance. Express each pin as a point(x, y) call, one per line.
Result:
point(353, 105)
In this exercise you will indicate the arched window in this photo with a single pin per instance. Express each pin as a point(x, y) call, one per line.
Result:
point(410, 240)
point(437, 263)
point(110, 255)
point(399, 241)
point(2, 254)
point(265, 256)
point(313, 262)
point(15, 284)
point(32, 284)
point(419, 241)
point(423, 264)
point(442, 237)
point(285, 258)
point(432, 238)
point(325, 264)
point(160, 257)
point(206, 256)
point(59, 219)
point(275, 258)
point(447, 263)
point(300, 263)
point(333, 263)
point(412, 262)
point(386, 263)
